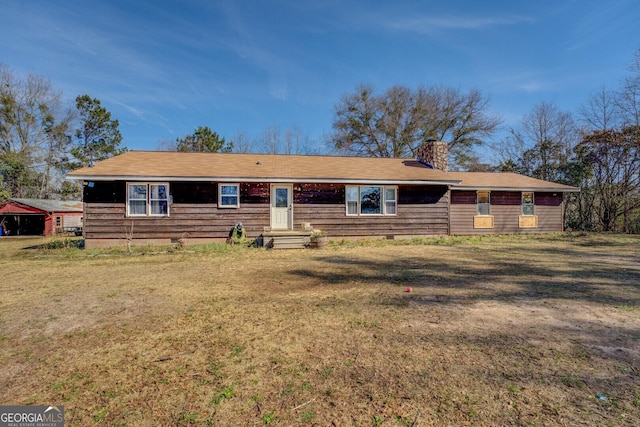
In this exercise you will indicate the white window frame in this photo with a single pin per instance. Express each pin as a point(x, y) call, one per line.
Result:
point(532, 204)
point(148, 200)
point(488, 203)
point(237, 195)
point(391, 202)
point(383, 202)
point(347, 201)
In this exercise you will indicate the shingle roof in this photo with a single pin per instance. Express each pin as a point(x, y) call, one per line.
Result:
point(255, 167)
point(157, 166)
point(51, 205)
point(504, 181)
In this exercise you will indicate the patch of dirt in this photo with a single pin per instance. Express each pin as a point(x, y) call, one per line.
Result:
point(592, 325)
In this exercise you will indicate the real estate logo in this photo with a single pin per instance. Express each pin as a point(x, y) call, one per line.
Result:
point(31, 416)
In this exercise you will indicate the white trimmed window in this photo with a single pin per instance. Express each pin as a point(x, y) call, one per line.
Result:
point(527, 203)
point(352, 200)
point(390, 200)
point(484, 202)
point(228, 195)
point(147, 199)
point(371, 200)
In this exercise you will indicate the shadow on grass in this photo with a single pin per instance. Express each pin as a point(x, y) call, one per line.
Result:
point(531, 274)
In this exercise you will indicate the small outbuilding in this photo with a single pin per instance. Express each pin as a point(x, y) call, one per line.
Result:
point(39, 217)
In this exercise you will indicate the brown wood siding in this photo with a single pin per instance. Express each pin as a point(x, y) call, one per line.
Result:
point(318, 194)
point(255, 193)
point(420, 194)
point(194, 192)
point(430, 217)
point(505, 220)
point(181, 192)
point(421, 211)
point(194, 212)
point(501, 198)
point(547, 199)
point(104, 192)
point(207, 192)
point(463, 197)
point(411, 220)
point(549, 218)
point(109, 221)
point(506, 198)
point(335, 194)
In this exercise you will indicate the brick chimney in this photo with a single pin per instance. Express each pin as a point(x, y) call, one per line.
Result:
point(434, 154)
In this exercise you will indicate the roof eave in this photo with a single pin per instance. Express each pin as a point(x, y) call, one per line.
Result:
point(261, 179)
point(490, 188)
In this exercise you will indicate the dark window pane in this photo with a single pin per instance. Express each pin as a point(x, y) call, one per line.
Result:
point(282, 197)
point(370, 200)
point(229, 200)
point(229, 189)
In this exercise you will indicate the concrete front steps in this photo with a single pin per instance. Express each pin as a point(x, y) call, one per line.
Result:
point(286, 239)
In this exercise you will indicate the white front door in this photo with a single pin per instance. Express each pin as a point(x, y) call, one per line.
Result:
point(281, 206)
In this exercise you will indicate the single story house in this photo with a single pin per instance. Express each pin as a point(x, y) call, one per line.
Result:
point(40, 217)
point(159, 197)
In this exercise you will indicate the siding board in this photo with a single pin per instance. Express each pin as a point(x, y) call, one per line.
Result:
point(108, 221)
point(463, 197)
point(505, 220)
point(104, 192)
point(316, 194)
point(194, 192)
point(421, 195)
point(506, 198)
point(412, 219)
point(547, 199)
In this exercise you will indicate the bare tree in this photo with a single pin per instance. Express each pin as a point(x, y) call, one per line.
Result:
point(543, 144)
point(34, 125)
point(608, 157)
point(395, 123)
point(289, 141)
point(167, 145)
point(270, 140)
point(628, 98)
point(614, 159)
point(242, 143)
point(600, 112)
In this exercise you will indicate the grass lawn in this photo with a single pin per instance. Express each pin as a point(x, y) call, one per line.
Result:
point(496, 331)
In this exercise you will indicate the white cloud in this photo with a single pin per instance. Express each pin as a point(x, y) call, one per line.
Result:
point(534, 86)
point(432, 24)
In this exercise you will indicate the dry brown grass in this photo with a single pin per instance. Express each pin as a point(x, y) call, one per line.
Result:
point(497, 331)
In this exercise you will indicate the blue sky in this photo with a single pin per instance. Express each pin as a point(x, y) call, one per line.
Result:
point(165, 67)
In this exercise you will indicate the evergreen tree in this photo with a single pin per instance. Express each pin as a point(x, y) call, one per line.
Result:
point(98, 137)
point(203, 140)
